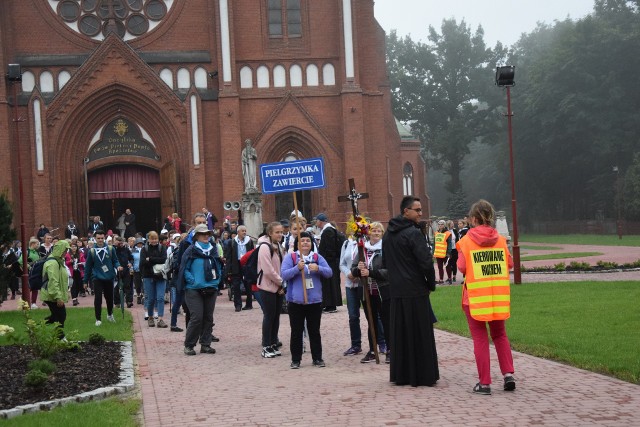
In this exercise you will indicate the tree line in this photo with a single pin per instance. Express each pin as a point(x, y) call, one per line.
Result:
point(576, 107)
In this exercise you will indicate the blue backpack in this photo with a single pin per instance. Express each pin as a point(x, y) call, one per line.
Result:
point(36, 281)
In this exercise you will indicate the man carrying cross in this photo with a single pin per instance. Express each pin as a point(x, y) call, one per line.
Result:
point(409, 264)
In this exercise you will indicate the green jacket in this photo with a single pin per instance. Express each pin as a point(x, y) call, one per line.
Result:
point(56, 271)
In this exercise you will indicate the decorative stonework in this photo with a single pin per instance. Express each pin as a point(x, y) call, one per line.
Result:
point(129, 19)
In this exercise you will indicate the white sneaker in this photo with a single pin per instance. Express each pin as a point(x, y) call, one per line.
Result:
point(111, 319)
point(98, 323)
point(34, 306)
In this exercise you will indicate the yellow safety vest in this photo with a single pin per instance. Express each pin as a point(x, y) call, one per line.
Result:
point(441, 244)
point(487, 279)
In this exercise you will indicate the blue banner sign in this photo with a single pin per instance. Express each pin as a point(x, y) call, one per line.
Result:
point(284, 177)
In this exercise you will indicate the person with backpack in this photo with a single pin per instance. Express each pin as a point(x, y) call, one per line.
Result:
point(100, 270)
point(330, 247)
point(54, 290)
point(125, 258)
point(153, 254)
point(315, 268)
point(199, 275)
point(239, 245)
point(270, 285)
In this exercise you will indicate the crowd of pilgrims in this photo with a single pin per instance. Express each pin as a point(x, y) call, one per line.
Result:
point(300, 267)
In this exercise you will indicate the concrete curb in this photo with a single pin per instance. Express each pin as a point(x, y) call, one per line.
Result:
point(127, 383)
point(613, 270)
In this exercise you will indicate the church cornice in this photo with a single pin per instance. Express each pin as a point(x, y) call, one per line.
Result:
point(134, 72)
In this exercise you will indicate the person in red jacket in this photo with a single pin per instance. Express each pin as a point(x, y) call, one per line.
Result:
point(484, 259)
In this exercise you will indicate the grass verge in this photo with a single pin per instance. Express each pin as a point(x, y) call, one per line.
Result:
point(79, 325)
point(116, 411)
point(590, 325)
point(559, 255)
point(581, 239)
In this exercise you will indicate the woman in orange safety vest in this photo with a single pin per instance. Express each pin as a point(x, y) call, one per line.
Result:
point(443, 244)
point(484, 259)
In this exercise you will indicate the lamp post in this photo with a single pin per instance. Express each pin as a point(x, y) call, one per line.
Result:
point(14, 75)
point(505, 77)
point(618, 203)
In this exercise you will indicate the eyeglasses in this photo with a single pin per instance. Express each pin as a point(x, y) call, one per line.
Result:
point(417, 210)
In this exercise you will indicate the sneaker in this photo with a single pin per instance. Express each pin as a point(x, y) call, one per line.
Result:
point(207, 349)
point(215, 338)
point(275, 350)
point(482, 389)
point(279, 344)
point(151, 323)
point(247, 308)
point(111, 319)
point(368, 358)
point(509, 383)
point(267, 353)
point(353, 351)
point(155, 316)
point(75, 302)
point(33, 306)
point(449, 281)
point(146, 317)
point(382, 349)
point(295, 365)
point(176, 329)
point(189, 351)
point(161, 324)
point(319, 363)
point(98, 323)
point(238, 309)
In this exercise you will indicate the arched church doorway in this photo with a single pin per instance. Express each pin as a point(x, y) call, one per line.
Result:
point(115, 188)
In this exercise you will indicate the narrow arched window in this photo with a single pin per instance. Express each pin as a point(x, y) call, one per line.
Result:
point(407, 180)
point(246, 77)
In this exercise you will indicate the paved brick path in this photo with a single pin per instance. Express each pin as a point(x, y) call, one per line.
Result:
point(237, 387)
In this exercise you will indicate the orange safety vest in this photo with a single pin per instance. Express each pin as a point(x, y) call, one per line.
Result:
point(441, 244)
point(487, 279)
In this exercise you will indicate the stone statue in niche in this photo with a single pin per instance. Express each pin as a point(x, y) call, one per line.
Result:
point(249, 160)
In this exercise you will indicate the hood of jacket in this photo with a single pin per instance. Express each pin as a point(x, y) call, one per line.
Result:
point(59, 249)
point(399, 223)
point(483, 235)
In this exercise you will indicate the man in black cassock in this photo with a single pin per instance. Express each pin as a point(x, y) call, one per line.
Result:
point(409, 262)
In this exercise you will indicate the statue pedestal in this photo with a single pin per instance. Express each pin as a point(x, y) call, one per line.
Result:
point(252, 212)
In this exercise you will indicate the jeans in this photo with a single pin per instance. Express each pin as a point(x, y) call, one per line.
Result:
point(201, 305)
point(354, 295)
point(271, 305)
point(154, 295)
point(256, 296)
point(177, 299)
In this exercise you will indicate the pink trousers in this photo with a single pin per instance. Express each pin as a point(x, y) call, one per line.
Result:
point(480, 338)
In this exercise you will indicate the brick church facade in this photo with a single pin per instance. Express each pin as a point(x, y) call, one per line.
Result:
point(146, 104)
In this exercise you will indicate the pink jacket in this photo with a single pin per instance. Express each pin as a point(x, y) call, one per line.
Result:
point(269, 265)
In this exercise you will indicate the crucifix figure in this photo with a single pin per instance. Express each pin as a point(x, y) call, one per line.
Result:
point(353, 197)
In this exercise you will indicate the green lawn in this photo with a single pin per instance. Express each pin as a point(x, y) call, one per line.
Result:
point(559, 255)
point(591, 325)
point(581, 239)
point(116, 411)
point(80, 321)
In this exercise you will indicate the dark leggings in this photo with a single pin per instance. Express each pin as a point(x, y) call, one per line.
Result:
point(271, 304)
point(441, 262)
point(102, 287)
point(58, 314)
point(77, 284)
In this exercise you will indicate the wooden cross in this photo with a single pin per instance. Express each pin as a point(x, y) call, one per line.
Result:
point(353, 197)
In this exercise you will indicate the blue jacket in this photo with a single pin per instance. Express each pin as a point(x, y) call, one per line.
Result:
point(291, 273)
point(93, 266)
point(189, 276)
